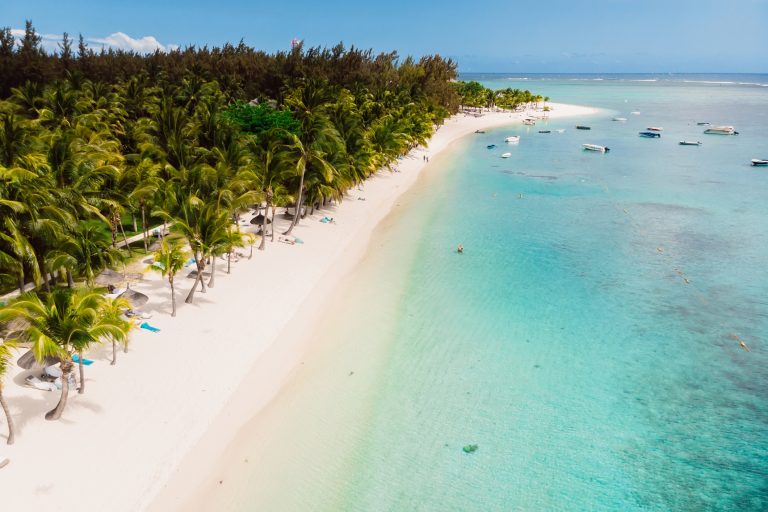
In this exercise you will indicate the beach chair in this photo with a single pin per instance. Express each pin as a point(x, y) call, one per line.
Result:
point(4, 461)
point(86, 362)
point(148, 327)
point(35, 382)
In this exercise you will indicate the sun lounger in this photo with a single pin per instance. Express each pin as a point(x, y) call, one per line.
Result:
point(148, 327)
point(86, 362)
point(134, 313)
point(4, 461)
point(42, 385)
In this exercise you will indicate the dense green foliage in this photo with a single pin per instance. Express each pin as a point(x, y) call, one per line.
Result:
point(88, 140)
point(474, 94)
point(260, 118)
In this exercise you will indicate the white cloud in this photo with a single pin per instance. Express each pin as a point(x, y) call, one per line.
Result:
point(118, 40)
point(146, 44)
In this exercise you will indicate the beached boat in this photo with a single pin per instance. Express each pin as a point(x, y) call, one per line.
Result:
point(760, 162)
point(506, 155)
point(619, 119)
point(512, 139)
point(721, 130)
point(595, 147)
point(655, 129)
point(650, 135)
point(529, 121)
point(690, 143)
point(491, 146)
point(582, 127)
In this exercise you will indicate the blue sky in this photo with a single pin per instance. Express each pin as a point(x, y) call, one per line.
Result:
point(491, 35)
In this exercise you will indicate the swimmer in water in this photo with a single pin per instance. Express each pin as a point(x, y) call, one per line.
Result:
point(460, 249)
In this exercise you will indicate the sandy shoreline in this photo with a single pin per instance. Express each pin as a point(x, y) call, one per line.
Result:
point(147, 430)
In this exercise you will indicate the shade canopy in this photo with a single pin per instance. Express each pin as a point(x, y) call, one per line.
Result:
point(259, 220)
point(28, 361)
point(135, 298)
point(111, 277)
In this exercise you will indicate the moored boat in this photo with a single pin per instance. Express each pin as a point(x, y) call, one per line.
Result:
point(619, 119)
point(655, 129)
point(506, 155)
point(635, 112)
point(529, 121)
point(703, 123)
point(582, 127)
point(650, 135)
point(596, 147)
point(512, 139)
point(491, 146)
point(545, 131)
point(760, 162)
point(721, 130)
point(690, 143)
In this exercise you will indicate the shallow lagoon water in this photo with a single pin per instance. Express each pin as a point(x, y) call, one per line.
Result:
point(587, 340)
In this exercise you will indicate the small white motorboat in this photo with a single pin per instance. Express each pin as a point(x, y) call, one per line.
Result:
point(560, 130)
point(690, 143)
point(655, 129)
point(635, 112)
point(619, 118)
point(506, 155)
point(595, 147)
point(529, 121)
point(760, 162)
point(512, 139)
point(721, 130)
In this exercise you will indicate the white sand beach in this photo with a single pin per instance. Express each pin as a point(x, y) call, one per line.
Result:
point(148, 429)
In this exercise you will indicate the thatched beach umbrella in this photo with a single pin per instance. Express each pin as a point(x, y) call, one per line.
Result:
point(109, 277)
point(135, 298)
point(259, 220)
point(29, 362)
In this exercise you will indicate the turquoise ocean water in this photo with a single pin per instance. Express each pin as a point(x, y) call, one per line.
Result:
point(588, 338)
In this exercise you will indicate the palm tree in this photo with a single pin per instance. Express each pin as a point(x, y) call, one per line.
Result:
point(87, 250)
point(169, 260)
point(5, 363)
point(64, 322)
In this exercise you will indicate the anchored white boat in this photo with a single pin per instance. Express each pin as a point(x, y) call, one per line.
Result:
point(529, 121)
point(595, 147)
point(760, 162)
point(512, 139)
point(655, 129)
point(619, 118)
point(690, 143)
point(721, 130)
point(506, 155)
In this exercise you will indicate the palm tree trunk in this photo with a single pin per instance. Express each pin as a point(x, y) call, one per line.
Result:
point(173, 296)
point(198, 278)
point(213, 271)
point(263, 243)
point(55, 414)
point(114, 352)
point(144, 227)
point(133, 216)
point(298, 206)
point(21, 279)
point(229, 262)
point(8, 417)
point(274, 209)
point(46, 283)
point(125, 239)
point(81, 368)
point(70, 279)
